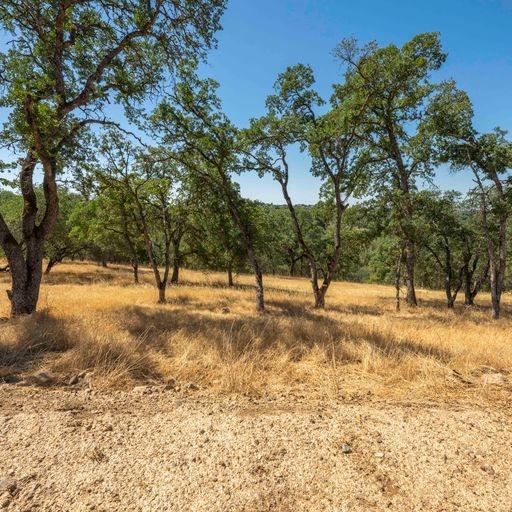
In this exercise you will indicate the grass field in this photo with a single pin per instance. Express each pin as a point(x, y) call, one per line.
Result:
point(94, 319)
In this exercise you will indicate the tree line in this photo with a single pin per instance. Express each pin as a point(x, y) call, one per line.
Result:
point(161, 188)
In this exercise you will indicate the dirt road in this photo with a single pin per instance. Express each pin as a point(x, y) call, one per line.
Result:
point(153, 449)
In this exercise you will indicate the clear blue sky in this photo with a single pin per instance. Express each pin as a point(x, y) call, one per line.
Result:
point(262, 37)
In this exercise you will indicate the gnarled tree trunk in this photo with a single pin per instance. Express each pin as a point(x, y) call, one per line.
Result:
point(471, 285)
point(27, 268)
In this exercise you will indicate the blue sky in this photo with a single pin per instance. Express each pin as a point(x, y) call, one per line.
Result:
point(260, 38)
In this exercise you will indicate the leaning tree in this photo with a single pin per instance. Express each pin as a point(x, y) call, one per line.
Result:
point(399, 85)
point(198, 135)
point(333, 140)
point(66, 61)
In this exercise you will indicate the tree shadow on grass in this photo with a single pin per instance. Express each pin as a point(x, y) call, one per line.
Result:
point(26, 340)
point(357, 309)
point(297, 332)
point(82, 278)
point(68, 347)
point(184, 283)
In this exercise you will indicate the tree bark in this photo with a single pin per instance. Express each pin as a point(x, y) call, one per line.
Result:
point(471, 285)
point(161, 293)
point(230, 275)
point(51, 263)
point(175, 277)
point(135, 267)
point(398, 278)
point(26, 278)
point(410, 263)
point(27, 269)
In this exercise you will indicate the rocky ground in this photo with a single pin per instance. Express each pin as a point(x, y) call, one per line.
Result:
point(156, 449)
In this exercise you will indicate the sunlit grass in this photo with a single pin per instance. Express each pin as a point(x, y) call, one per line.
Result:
point(95, 319)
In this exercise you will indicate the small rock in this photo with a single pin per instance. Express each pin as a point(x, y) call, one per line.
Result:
point(75, 379)
point(41, 379)
point(493, 379)
point(141, 390)
point(8, 485)
point(346, 448)
point(225, 310)
point(379, 455)
point(5, 501)
point(170, 385)
point(192, 387)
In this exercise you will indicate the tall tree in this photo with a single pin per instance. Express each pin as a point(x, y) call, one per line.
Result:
point(199, 136)
point(398, 83)
point(66, 60)
point(218, 244)
point(333, 141)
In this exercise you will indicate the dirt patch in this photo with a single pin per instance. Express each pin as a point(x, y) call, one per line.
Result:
point(78, 450)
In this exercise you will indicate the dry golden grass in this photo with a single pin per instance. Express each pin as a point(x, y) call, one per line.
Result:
point(94, 319)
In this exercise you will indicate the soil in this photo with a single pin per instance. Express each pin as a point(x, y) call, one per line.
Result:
point(155, 449)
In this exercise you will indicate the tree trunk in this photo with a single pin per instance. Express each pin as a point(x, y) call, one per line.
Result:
point(27, 270)
point(320, 297)
point(26, 279)
point(175, 277)
point(334, 259)
point(243, 226)
point(258, 278)
point(450, 299)
point(406, 212)
point(161, 293)
point(471, 286)
point(177, 259)
point(135, 267)
point(51, 263)
point(230, 275)
point(260, 298)
point(495, 294)
point(468, 280)
point(410, 260)
point(398, 278)
point(318, 293)
point(497, 262)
